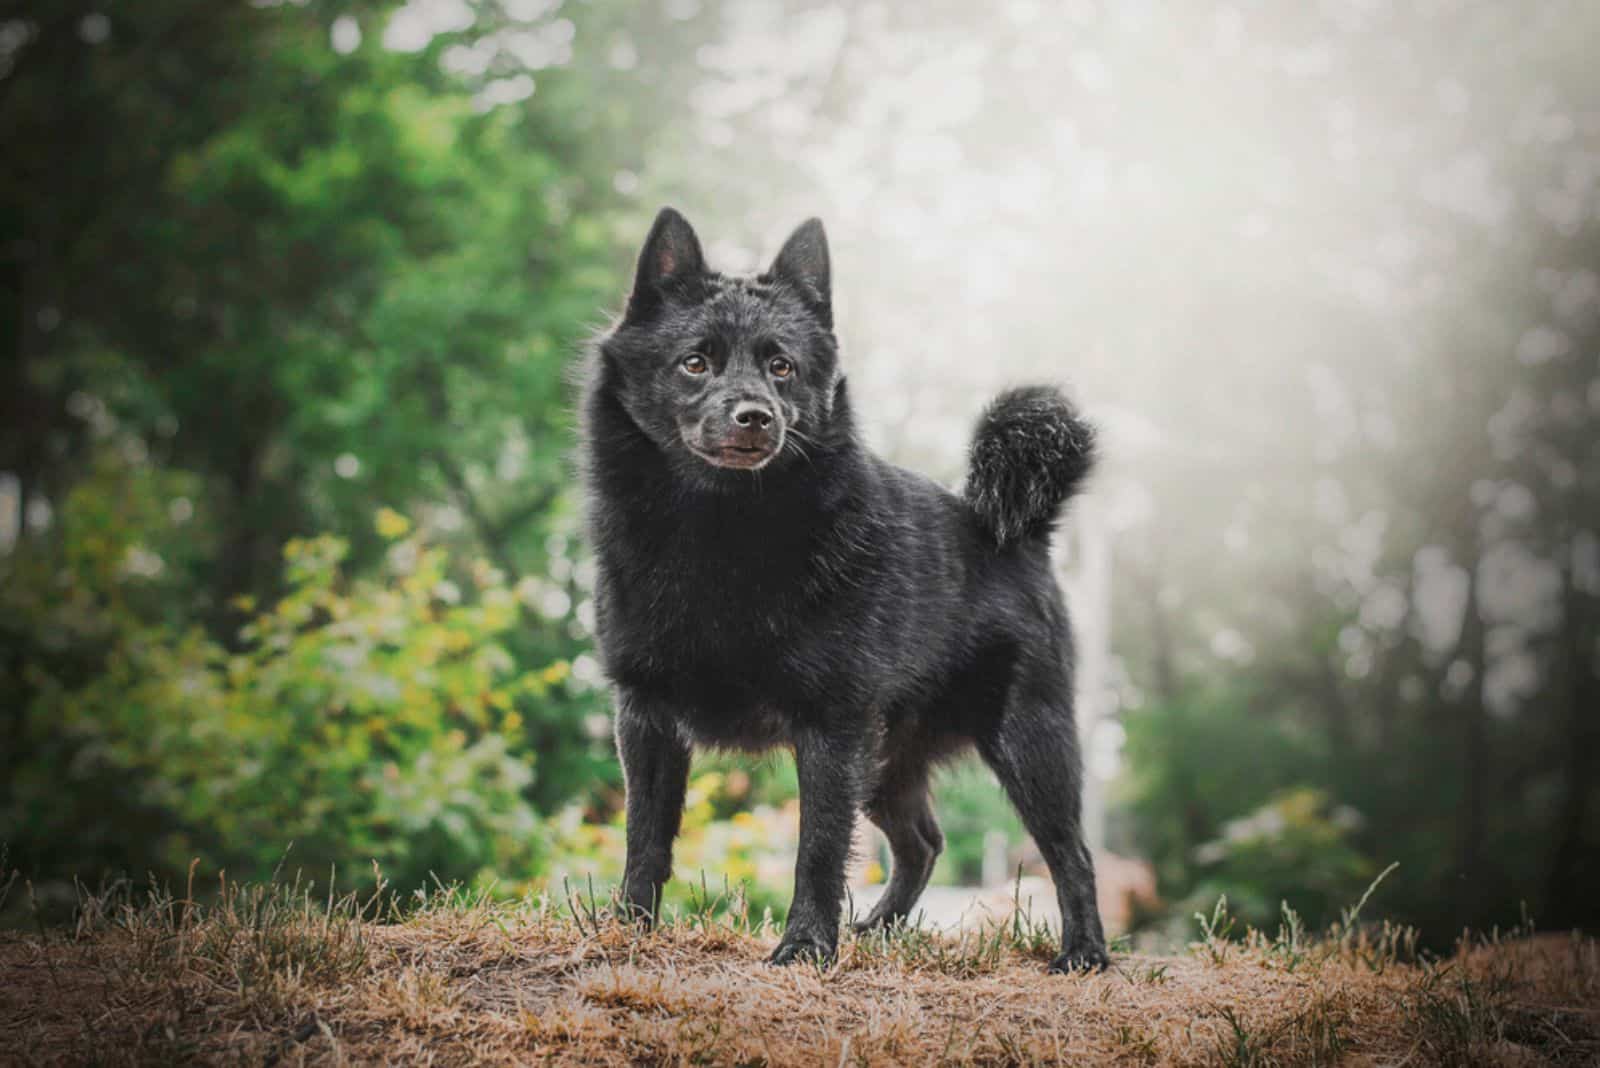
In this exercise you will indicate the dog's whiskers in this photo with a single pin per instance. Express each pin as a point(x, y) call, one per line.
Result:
point(800, 450)
point(795, 438)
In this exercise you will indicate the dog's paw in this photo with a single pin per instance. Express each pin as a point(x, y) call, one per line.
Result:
point(1080, 959)
point(800, 945)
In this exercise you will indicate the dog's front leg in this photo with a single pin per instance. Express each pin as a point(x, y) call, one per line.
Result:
point(655, 771)
point(830, 768)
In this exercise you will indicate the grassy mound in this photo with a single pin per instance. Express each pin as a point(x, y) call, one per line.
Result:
point(266, 974)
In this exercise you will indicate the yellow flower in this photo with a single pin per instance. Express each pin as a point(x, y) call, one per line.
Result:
point(556, 672)
point(391, 524)
point(512, 723)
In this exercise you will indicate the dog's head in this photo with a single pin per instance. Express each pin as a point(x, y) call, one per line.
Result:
point(727, 373)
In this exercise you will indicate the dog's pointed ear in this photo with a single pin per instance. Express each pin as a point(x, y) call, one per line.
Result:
point(803, 262)
point(670, 253)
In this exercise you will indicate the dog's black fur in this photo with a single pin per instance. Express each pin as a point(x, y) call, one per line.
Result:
point(766, 581)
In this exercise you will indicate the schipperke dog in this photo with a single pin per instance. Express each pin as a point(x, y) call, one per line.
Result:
point(765, 581)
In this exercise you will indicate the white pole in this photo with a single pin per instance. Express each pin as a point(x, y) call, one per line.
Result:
point(1086, 578)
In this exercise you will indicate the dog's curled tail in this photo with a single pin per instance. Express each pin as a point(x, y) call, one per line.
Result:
point(1031, 452)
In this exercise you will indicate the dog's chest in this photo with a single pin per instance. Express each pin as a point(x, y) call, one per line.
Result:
point(713, 577)
point(734, 630)
point(722, 678)
point(699, 624)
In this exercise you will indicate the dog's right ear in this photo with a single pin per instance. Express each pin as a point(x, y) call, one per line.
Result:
point(671, 253)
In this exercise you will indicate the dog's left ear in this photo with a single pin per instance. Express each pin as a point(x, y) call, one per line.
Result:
point(803, 262)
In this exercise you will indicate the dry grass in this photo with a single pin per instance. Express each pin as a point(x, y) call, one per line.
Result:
point(269, 975)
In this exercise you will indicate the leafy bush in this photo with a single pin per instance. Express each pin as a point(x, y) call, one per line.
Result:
point(1295, 848)
point(1225, 800)
point(970, 804)
point(719, 864)
point(362, 719)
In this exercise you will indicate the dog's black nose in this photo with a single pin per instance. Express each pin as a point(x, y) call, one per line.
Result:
point(750, 413)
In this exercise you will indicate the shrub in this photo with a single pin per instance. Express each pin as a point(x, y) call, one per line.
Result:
point(361, 719)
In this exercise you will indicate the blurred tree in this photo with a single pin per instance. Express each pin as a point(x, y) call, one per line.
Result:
point(305, 256)
point(248, 245)
point(1405, 581)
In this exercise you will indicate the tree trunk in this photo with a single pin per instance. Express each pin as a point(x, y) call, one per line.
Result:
point(1472, 828)
point(1565, 894)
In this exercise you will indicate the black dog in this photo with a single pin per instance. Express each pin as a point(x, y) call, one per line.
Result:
point(765, 581)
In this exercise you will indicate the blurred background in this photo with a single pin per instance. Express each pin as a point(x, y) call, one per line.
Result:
point(291, 566)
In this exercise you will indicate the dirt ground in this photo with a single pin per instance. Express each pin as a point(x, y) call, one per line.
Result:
point(263, 980)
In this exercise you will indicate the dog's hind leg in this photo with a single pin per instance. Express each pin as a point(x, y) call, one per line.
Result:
point(902, 810)
point(1033, 749)
point(655, 770)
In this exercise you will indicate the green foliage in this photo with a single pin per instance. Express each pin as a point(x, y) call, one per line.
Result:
point(970, 804)
point(320, 282)
point(360, 718)
point(1296, 847)
point(370, 295)
point(1193, 764)
point(1216, 796)
point(720, 865)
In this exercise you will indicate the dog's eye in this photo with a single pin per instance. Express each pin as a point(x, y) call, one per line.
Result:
point(780, 367)
point(695, 364)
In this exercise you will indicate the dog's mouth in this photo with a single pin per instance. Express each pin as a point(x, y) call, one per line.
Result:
point(737, 457)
